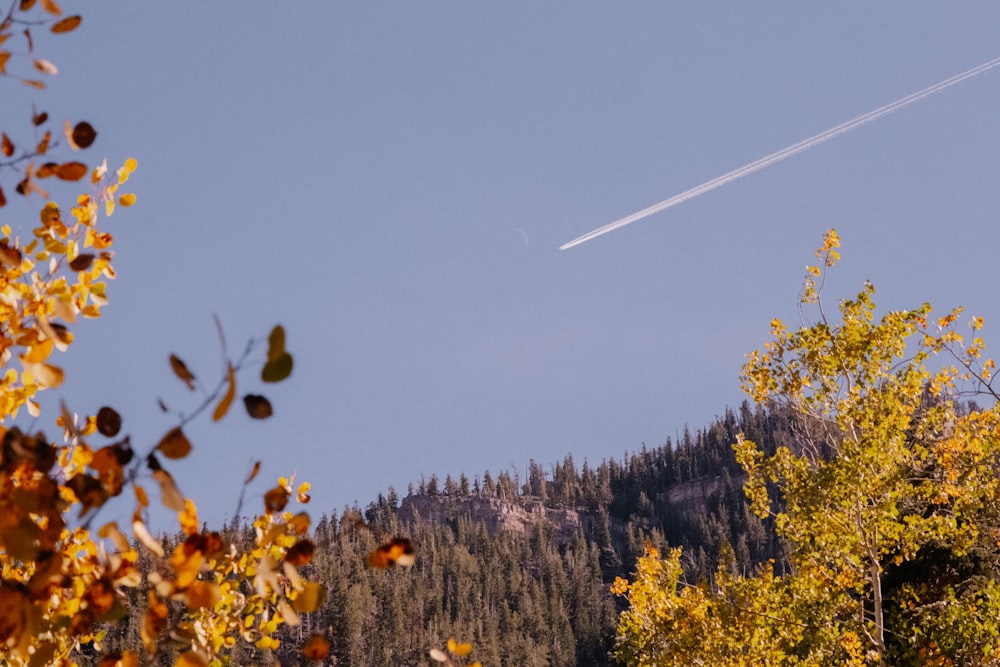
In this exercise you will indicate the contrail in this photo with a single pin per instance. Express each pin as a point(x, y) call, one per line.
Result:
point(768, 160)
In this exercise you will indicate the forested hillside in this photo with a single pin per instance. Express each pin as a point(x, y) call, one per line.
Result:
point(519, 562)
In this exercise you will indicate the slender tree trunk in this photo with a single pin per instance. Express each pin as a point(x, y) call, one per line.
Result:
point(877, 594)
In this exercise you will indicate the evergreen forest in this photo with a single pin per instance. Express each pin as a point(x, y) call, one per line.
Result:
point(518, 562)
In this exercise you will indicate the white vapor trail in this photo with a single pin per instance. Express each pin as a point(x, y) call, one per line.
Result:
point(788, 152)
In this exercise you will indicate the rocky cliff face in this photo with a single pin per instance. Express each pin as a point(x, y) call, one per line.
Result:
point(519, 515)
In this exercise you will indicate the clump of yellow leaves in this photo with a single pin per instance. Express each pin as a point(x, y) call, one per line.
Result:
point(60, 582)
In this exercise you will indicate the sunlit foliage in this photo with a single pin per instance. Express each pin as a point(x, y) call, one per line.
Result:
point(886, 493)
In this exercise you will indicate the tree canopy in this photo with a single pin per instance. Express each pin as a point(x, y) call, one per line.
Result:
point(885, 492)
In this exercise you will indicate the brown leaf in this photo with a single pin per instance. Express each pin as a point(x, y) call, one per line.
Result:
point(109, 422)
point(27, 36)
point(169, 493)
point(82, 262)
point(253, 473)
point(71, 171)
point(66, 25)
point(276, 343)
point(84, 134)
point(26, 5)
point(276, 499)
point(81, 135)
point(46, 170)
point(14, 604)
point(38, 118)
point(300, 553)
point(3, 199)
point(257, 407)
point(9, 257)
point(174, 444)
point(223, 407)
point(43, 145)
point(181, 371)
point(7, 145)
point(278, 369)
point(34, 84)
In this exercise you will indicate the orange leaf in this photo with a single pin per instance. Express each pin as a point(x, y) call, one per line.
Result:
point(43, 145)
point(316, 648)
point(66, 25)
point(7, 145)
point(174, 444)
point(223, 407)
point(71, 171)
point(52, 7)
point(398, 552)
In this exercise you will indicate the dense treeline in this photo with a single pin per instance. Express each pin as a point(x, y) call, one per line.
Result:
point(519, 563)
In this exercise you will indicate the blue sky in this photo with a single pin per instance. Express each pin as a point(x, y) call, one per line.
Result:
point(391, 182)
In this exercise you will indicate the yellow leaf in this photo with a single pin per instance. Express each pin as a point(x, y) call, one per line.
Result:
point(127, 199)
point(459, 649)
point(310, 598)
point(189, 517)
point(223, 407)
point(302, 495)
point(190, 659)
point(40, 352)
